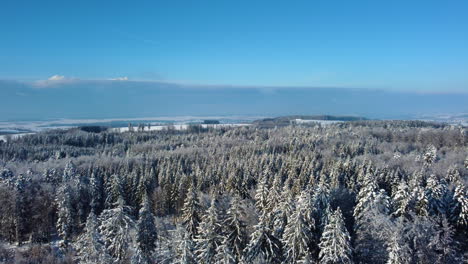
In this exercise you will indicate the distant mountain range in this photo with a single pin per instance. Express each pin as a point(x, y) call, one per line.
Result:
point(127, 99)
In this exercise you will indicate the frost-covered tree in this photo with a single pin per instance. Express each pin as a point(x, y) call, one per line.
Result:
point(20, 208)
point(261, 195)
point(208, 238)
point(146, 233)
point(298, 237)
point(283, 212)
point(89, 245)
point(185, 252)
point(263, 244)
point(398, 248)
point(191, 212)
point(443, 244)
point(320, 205)
point(234, 230)
point(366, 196)
point(118, 230)
point(460, 207)
point(401, 200)
point(65, 214)
point(96, 193)
point(335, 243)
point(430, 155)
point(69, 171)
point(225, 255)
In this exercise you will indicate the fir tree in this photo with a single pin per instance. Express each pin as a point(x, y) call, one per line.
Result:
point(401, 200)
point(90, 247)
point(185, 248)
point(208, 238)
point(146, 233)
point(298, 235)
point(263, 244)
point(117, 230)
point(460, 208)
point(335, 244)
point(65, 214)
point(190, 213)
point(235, 235)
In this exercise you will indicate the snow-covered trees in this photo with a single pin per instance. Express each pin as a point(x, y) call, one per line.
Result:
point(460, 209)
point(298, 237)
point(191, 212)
point(234, 231)
point(118, 230)
point(185, 251)
point(276, 191)
point(263, 244)
point(65, 214)
point(89, 246)
point(401, 200)
point(335, 243)
point(208, 238)
point(146, 235)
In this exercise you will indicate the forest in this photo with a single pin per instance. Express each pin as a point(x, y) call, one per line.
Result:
point(390, 192)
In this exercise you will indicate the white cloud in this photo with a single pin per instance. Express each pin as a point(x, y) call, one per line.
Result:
point(124, 78)
point(53, 80)
point(56, 78)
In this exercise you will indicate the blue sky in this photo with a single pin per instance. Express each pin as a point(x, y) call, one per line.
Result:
point(392, 45)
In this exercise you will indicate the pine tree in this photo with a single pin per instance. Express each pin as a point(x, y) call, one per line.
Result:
point(398, 250)
point(366, 196)
point(261, 195)
point(20, 208)
point(225, 255)
point(307, 259)
point(117, 229)
point(298, 236)
point(263, 244)
point(401, 200)
point(460, 208)
point(185, 248)
point(320, 205)
point(146, 233)
point(208, 238)
point(65, 214)
point(335, 244)
point(283, 212)
point(96, 193)
point(443, 243)
point(235, 235)
point(69, 171)
point(191, 213)
point(90, 247)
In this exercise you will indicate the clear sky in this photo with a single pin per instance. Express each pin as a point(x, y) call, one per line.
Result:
point(395, 45)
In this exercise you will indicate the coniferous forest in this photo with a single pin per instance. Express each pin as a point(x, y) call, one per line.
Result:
point(392, 192)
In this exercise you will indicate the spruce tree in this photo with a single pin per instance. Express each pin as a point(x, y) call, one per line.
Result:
point(89, 245)
point(146, 233)
point(263, 244)
point(235, 235)
point(65, 214)
point(208, 238)
point(335, 245)
point(191, 213)
point(298, 237)
point(117, 230)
